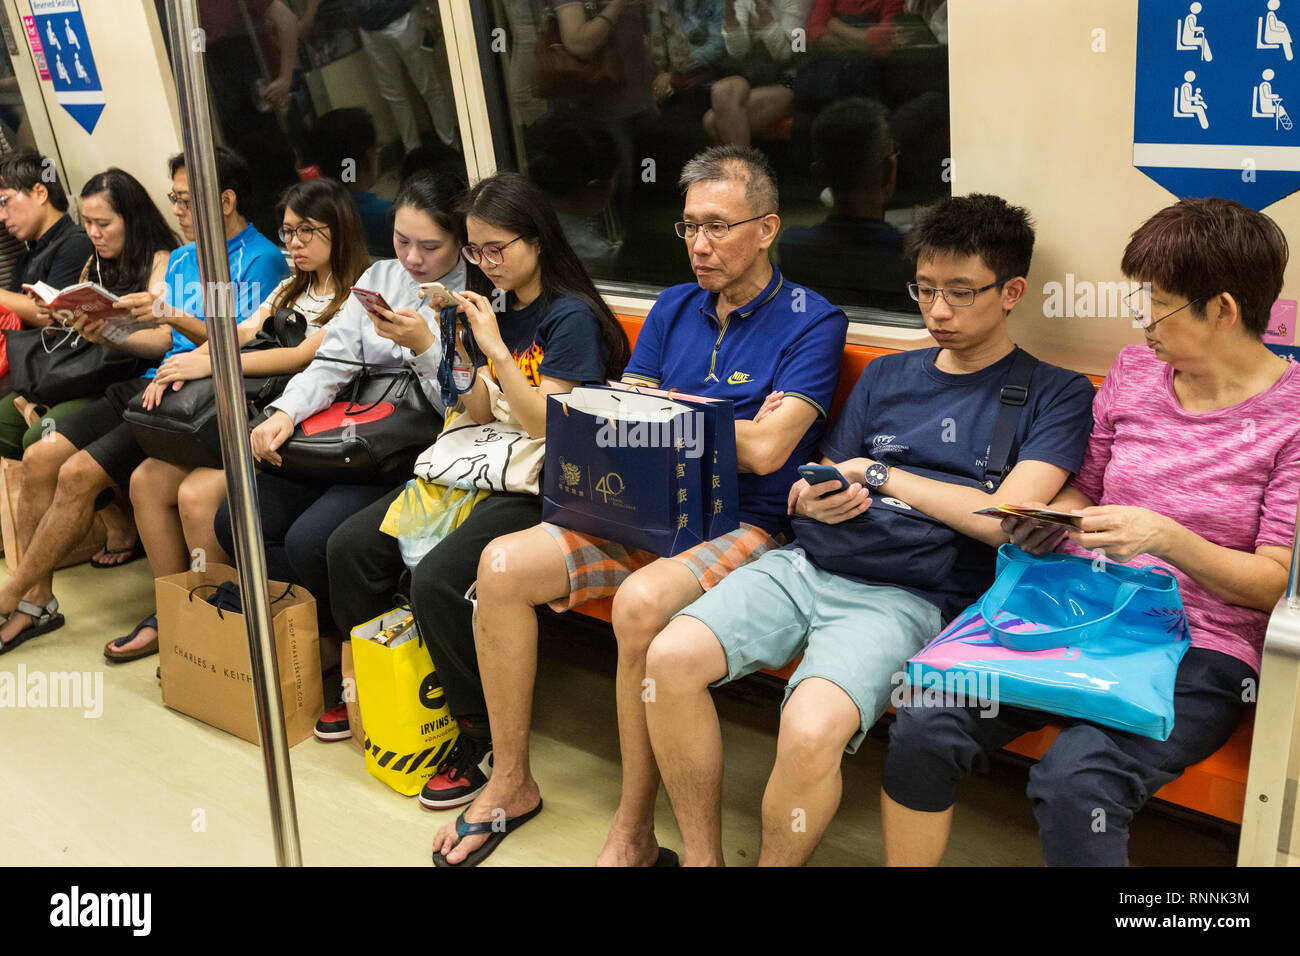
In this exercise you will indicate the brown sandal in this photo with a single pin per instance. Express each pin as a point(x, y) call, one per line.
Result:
point(112, 653)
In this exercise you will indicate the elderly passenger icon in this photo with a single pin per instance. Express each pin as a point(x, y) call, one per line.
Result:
point(1191, 35)
point(1189, 103)
point(1271, 33)
point(1265, 104)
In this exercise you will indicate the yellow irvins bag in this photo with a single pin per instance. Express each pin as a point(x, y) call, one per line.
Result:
point(409, 729)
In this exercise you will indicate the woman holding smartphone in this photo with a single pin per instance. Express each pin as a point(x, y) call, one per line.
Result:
point(299, 515)
point(554, 332)
point(175, 504)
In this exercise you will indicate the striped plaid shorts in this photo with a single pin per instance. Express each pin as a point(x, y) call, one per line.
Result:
point(597, 566)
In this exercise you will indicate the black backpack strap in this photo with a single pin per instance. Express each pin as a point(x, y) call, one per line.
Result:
point(1013, 398)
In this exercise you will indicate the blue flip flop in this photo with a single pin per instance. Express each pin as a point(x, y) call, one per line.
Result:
point(464, 828)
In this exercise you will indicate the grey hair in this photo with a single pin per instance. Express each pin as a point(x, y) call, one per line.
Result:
point(732, 163)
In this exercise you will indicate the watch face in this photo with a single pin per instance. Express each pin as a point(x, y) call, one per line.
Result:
point(877, 474)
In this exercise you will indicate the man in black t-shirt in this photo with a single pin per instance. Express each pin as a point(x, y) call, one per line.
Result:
point(33, 207)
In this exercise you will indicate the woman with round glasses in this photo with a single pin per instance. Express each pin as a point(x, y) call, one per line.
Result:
point(175, 504)
point(1193, 466)
point(539, 328)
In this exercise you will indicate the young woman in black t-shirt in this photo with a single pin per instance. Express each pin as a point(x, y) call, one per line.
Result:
point(553, 332)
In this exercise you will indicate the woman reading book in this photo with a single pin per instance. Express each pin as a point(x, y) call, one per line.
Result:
point(131, 242)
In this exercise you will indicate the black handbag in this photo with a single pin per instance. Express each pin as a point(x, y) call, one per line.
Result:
point(55, 364)
point(371, 436)
point(893, 543)
point(183, 428)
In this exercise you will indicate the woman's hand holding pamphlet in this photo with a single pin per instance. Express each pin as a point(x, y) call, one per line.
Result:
point(1045, 515)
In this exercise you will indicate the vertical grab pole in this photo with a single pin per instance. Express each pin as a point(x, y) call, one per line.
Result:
point(200, 164)
point(1293, 582)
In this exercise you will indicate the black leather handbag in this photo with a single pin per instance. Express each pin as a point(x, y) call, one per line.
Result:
point(371, 436)
point(54, 364)
point(183, 428)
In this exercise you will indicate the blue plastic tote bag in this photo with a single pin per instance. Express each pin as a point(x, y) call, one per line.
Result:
point(1070, 636)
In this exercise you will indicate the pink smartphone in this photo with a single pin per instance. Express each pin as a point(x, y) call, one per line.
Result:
point(370, 301)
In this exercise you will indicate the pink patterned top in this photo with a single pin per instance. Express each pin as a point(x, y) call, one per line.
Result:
point(1231, 475)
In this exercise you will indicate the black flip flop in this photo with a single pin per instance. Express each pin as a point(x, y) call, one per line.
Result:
point(133, 553)
point(44, 620)
point(464, 828)
point(666, 858)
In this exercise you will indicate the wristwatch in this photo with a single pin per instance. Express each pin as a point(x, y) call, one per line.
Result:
point(877, 474)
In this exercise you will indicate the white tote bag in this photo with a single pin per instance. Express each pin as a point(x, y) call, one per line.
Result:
point(499, 456)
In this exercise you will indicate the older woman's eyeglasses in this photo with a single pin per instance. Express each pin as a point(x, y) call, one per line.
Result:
point(1139, 305)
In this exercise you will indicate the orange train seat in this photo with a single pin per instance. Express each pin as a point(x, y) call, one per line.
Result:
point(1216, 786)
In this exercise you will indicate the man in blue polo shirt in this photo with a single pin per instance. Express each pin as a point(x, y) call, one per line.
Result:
point(741, 331)
point(68, 475)
point(926, 440)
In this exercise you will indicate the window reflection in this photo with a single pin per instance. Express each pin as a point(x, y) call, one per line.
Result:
point(848, 98)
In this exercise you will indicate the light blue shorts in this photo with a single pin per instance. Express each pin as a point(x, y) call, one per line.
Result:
point(858, 636)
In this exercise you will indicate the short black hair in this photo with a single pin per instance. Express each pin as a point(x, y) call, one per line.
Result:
point(232, 173)
point(339, 135)
point(25, 168)
point(851, 142)
point(976, 225)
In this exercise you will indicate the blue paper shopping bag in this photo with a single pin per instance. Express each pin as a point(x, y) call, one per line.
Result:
point(618, 466)
point(715, 444)
point(1095, 640)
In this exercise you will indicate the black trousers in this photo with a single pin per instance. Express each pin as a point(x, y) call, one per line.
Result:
point(298, 518)
point(365, 570)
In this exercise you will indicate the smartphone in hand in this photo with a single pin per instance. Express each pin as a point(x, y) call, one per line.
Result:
point(817, 474)
point(370, 301)
point(436, 294)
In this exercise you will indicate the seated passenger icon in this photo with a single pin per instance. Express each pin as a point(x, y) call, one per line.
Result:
point(1271, 33)
point(1191, 35)
point(1266, 104)
point(1188, 102)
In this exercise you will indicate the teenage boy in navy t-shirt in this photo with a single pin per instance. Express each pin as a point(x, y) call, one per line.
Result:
point(916, 432)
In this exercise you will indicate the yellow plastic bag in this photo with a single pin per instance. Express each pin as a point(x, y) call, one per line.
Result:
point(409, 729)
point(425, 513)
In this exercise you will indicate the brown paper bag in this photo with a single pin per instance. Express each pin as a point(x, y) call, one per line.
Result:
point(350, 698)
point(11, 485)
point(206, 669)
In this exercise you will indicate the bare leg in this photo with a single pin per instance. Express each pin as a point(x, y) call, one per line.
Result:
point(684, 730)
point(62, 524)
point(803, 792)
point(120, 537)
point(767, 106)
point(516, 572)
point(731, 119)
point(913, 837)
point(643, 605)
point(199, 497)
point(154, 488)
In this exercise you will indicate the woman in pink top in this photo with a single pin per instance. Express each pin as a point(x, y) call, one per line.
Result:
point(1194, 466)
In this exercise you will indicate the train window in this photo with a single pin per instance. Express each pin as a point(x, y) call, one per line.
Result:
point(602, 101)
point(358, 90)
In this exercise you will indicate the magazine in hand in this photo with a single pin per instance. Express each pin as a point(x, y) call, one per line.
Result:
point(1045, 515)
point(87, 298)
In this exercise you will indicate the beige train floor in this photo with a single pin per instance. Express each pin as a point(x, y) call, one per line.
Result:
point(127, 788)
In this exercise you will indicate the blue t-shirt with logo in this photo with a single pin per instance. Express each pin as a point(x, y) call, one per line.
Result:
point(256, 268)
point(907, 413)
point(787, 339)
